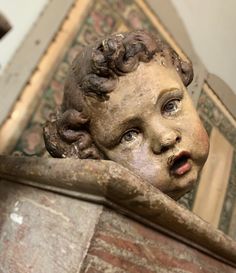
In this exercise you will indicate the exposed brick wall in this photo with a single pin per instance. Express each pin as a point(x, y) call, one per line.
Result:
point(121, 245)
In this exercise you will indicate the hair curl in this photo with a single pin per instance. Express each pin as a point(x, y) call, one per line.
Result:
point(95, 72)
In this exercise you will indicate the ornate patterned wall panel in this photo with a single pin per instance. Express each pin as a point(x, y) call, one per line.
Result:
point(214, 114)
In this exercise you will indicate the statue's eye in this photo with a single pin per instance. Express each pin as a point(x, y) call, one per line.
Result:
point(129, 136)
point(171, 107)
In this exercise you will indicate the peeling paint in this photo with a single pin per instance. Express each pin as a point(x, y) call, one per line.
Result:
point(16, 218)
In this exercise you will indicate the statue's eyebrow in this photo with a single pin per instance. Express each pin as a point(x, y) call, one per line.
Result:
point(162, 93)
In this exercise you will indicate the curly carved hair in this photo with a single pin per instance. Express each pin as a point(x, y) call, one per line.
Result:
point(95, 72)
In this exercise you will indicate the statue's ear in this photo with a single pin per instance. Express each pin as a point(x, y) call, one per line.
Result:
point(67, 136)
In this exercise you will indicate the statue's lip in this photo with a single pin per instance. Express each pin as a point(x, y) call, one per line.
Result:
point(179, 164)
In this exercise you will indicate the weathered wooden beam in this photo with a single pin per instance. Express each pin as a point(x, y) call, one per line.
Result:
point(111, 184)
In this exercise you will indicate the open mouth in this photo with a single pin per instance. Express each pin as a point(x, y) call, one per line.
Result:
point(179, 165)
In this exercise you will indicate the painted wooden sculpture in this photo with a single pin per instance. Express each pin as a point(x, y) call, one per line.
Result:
point(127, 141)
point(125, 99)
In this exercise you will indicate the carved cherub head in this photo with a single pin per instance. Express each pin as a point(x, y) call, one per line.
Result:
point(125, 99)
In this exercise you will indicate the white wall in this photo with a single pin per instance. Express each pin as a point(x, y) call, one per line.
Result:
point(22, 14)
point(211, 25)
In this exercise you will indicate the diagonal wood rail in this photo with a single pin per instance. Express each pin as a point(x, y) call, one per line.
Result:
point(108, 183)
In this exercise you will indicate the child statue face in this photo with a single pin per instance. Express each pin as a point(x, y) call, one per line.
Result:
point(149, 125)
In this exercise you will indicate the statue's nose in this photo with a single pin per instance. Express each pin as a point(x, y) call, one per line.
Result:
point(165, 139)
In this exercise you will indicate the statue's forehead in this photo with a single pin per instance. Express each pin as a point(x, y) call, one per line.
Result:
point(143, 86)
